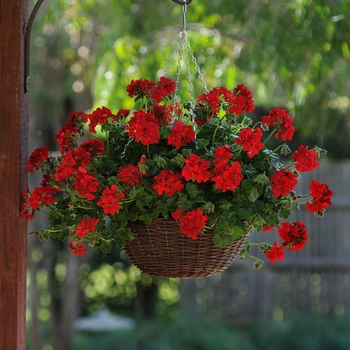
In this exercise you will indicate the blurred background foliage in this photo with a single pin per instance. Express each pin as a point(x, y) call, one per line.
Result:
point(293, 54)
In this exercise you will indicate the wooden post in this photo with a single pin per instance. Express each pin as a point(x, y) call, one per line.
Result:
point(13, 174)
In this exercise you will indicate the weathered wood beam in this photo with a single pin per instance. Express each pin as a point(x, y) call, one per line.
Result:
point(13, 174)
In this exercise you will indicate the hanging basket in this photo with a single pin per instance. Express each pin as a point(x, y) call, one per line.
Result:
point(160, 249)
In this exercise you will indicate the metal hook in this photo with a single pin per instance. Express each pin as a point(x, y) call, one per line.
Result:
point(26, 31)
point(182, 2)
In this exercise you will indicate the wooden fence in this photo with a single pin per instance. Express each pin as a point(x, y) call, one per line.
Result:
point(314, 281)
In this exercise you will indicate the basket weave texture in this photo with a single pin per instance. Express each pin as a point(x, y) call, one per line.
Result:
point(160, 249)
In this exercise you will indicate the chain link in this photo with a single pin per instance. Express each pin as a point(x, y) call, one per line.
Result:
point(123, 153)
point(184, 47)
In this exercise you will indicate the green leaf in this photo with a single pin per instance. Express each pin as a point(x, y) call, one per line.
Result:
point(221, 239)
point(285, 213)
point(105, 247)
point(253, 194)
point(123, 235)
point(262, 179)
point(257, 221)
point(149, 216)
point(160, 161)
point(244, 212)
point(184, 204)
point(202, 143)
point(237, 232)
point(193, 190)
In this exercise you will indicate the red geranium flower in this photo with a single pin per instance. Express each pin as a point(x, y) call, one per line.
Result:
point(305, 159)
point(123, 113)
point(167, 182)
point(227, 177)
point(191, 222)
point(280, 119)
point(37, 158)
point(283, 182)
point(168, 85)
point(242, 101)
point(144, 128)
point(181, 134)
point(294, 235)
point(321, 197)
point(275, 253)
point(86, 226)
point(130, 174)
point(94, 147)
point(268, 228)
point(222, 155)
point(26, 210)
point(109, 200)
point(85, 183)
point(66, 168)
point(196, 168)
point(65, 136)
point(211, 98)
point(98, 117)
point(41, 195)
point(78, 248)
point(250, 140)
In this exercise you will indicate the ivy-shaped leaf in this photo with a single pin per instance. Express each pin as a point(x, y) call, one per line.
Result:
point(253, 194)
point(184, 204)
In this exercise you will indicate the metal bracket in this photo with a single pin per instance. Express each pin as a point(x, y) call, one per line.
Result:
point(182, 2)
point(26, 31)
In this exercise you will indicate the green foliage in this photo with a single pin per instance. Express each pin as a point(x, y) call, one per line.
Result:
point(304, 333)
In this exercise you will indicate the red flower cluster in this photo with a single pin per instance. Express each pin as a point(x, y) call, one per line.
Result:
point(86, 226)
point(130, 174)
point(305, 159)
point(78, 248)
point(294, 235)
point(98, 117)
point(283, 182)
point(222, 155)
point(144, 128)
point(94, 147)
point(37, 158)
point(181, 134)
point(85, 183)
point(321, 197)
point(227, 177)
point(65, 137)
point(279, 118)
point(250, 140)
point(191, 222)
point(71, 161)
point(242, 101)
point(167, 182)
point(234, 102)
point(276, 252)
point(156, 91)
point(109, 200)
point(196, 168)
point(33, 200)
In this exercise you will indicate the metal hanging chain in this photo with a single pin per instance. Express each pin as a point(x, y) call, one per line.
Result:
point(184, 47)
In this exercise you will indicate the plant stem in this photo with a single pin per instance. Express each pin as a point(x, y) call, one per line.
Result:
point(268, 137)
point(107, 141)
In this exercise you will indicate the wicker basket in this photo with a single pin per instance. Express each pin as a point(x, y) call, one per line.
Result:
point(160, 249)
